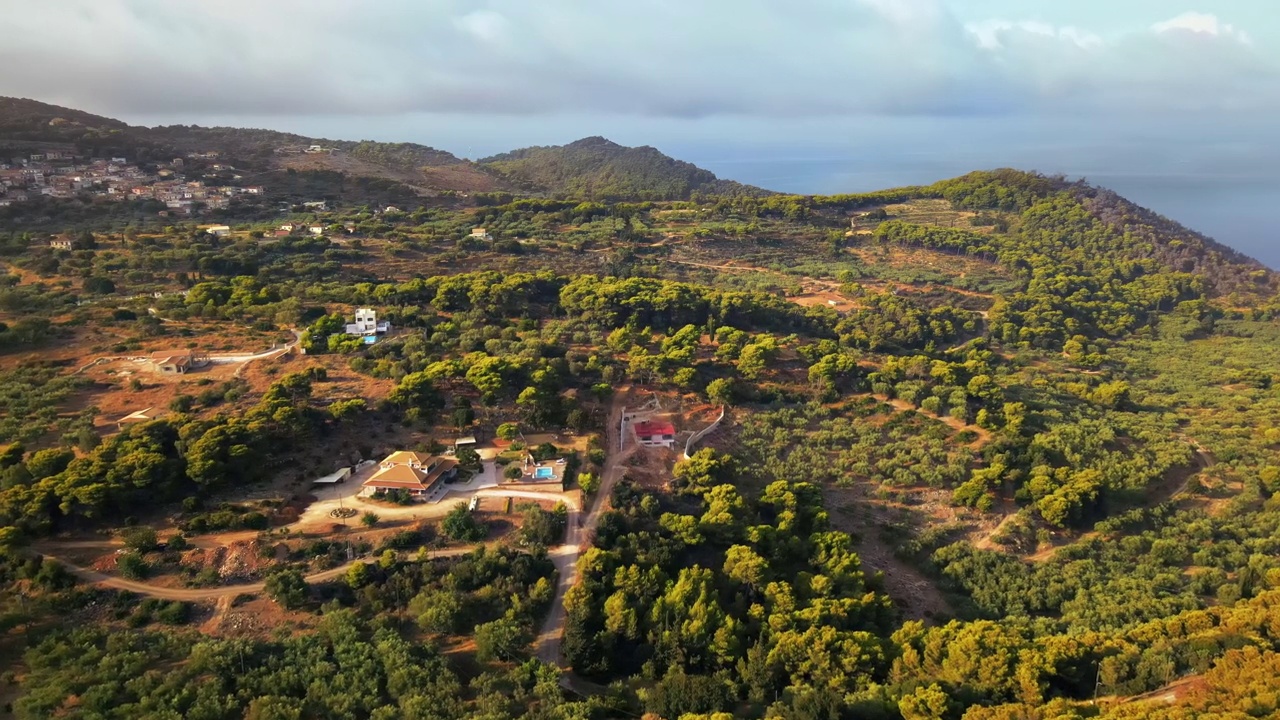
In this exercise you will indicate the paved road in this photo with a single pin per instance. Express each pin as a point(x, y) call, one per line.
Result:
point(198, 594)
point(547, 644)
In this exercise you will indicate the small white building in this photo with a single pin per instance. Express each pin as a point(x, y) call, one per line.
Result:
point(481, 234)
point(652, 433)
point(218, 230)
point(316, 230)
point(367, 324)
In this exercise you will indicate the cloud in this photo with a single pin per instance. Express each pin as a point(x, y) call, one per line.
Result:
point(992, 34)
point(1200, 23)
point(661, 58)
point(486, 26)
point(1193, 63)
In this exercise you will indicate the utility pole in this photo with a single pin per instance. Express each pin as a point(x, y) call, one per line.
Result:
point(1097, 681)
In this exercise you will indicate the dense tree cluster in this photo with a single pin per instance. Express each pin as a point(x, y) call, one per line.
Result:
point(160, 460)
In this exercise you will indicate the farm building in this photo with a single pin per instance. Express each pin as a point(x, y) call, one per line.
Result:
point(655, 434)
point(176, 362)
point(414, 472)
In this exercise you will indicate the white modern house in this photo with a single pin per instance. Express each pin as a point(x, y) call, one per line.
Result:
point(367, 324)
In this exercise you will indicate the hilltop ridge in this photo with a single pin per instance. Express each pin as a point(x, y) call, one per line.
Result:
point(592, 167)
point(600, 168)
point(597, 168)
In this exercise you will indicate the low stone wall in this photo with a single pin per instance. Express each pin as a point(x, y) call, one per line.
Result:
point(545, 487)
point(694, 438)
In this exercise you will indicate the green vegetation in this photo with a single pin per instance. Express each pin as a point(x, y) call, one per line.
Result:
point(994, 447)
point(597, 168)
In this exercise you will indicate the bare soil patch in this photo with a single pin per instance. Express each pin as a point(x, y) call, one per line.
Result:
point(854, 510)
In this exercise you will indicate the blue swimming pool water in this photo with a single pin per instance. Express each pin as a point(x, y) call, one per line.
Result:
point(544, 473)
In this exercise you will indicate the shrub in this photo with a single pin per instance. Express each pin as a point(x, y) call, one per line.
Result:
point(461, 525)
point(132, 566)
point(288, 589)
point(140, 539)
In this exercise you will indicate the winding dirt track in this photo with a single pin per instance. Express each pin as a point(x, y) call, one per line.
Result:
point(577, 536)
point(214, 593)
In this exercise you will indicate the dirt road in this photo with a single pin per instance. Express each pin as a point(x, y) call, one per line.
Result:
point(198, 594)
point(577, 535)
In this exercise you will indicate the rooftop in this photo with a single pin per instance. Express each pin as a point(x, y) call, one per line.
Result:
point(411, 477)
point(652, 427)
point(406, 457)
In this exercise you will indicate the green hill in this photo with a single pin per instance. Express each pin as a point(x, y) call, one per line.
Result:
point(424, 168)
point(599, 168)
point(29, 120)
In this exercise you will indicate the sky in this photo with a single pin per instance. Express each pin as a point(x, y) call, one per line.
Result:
point(1171, 100)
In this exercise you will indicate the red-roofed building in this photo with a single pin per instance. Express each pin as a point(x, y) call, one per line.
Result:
point(655, 434)
point(413, 472)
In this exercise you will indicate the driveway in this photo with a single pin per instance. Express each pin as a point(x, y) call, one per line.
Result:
point(486, 478)
point(579, 534)
point(442, 499)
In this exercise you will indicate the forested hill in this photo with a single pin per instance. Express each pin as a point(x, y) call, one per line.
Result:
point(595, 167)
point(1079, 229)
point(252, 141)
point(22, 119)
point(1179, 248)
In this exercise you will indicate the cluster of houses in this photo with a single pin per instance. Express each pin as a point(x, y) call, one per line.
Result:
point(59, 174)
point(288, 229)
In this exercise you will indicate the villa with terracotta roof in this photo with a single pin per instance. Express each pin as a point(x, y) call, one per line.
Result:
point(413, 472)
point(176, 362)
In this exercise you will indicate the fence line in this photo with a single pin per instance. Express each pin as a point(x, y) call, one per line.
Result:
point(694, 438)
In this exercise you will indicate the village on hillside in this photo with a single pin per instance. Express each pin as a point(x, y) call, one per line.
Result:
point(57, 174)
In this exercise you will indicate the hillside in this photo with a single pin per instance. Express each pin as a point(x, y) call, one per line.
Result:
point(1109, 233)
point(599, 168)
point(592, 167)
point(1001, 446)
point(22, 119)
point(423, 168)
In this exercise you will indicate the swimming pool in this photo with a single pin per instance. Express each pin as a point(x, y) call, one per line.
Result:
point(544, 473)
